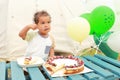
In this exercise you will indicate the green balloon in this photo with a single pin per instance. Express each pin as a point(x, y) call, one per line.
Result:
point(104, 46)
point(103, 18)
point(87, 16)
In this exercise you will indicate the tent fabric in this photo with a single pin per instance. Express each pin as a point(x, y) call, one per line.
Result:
point(3, 27)
point(15, 14)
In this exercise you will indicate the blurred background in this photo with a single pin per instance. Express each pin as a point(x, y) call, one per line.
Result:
point(15, 14)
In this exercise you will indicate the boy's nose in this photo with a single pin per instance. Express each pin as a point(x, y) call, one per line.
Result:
point(46, 25)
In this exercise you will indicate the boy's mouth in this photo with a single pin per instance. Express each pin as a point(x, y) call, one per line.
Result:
point(46, 29)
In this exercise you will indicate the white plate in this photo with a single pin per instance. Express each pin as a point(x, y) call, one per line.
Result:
point(66, 62)
point(36, 61)
point(60, 72)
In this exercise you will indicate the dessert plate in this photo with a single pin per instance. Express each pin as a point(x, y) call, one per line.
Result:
point(35, 61)
point(67, 62)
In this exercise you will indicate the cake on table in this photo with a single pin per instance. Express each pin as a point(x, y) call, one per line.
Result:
point(69, 64)
point(31, 60)
point(27, 60)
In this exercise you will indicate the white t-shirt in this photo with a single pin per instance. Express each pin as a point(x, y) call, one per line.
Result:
point(38, 45)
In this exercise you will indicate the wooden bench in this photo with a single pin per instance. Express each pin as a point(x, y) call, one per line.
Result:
point(3, 71)
point(104, 68)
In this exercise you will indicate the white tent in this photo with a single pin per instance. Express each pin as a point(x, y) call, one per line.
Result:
point(15, 14)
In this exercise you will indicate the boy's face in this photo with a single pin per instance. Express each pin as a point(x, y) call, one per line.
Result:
point(44, 24)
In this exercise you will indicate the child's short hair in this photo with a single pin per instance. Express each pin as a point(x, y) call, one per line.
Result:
point(39, 14)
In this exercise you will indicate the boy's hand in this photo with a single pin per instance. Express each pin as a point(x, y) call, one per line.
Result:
point(50, 56)
point(32, 26)
point(24, 31)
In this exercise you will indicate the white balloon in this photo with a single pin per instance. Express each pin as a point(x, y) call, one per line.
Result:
point(78, 29)
point(114, 41)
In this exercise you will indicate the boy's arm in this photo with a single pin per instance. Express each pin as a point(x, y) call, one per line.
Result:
point(51, 52)
point(24, 31)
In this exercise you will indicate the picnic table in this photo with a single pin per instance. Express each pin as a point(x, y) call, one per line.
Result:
point(104, 68)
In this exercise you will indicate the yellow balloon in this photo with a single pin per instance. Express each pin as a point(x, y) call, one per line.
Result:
point(78, 29)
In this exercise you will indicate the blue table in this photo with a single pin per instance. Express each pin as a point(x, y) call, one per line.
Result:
point(104, 68)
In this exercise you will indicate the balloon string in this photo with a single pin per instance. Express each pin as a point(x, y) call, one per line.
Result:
point(97, 46)
point(100, 41)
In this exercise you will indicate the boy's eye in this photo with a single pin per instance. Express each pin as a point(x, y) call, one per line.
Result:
point(49, 21)
point(43, 22)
